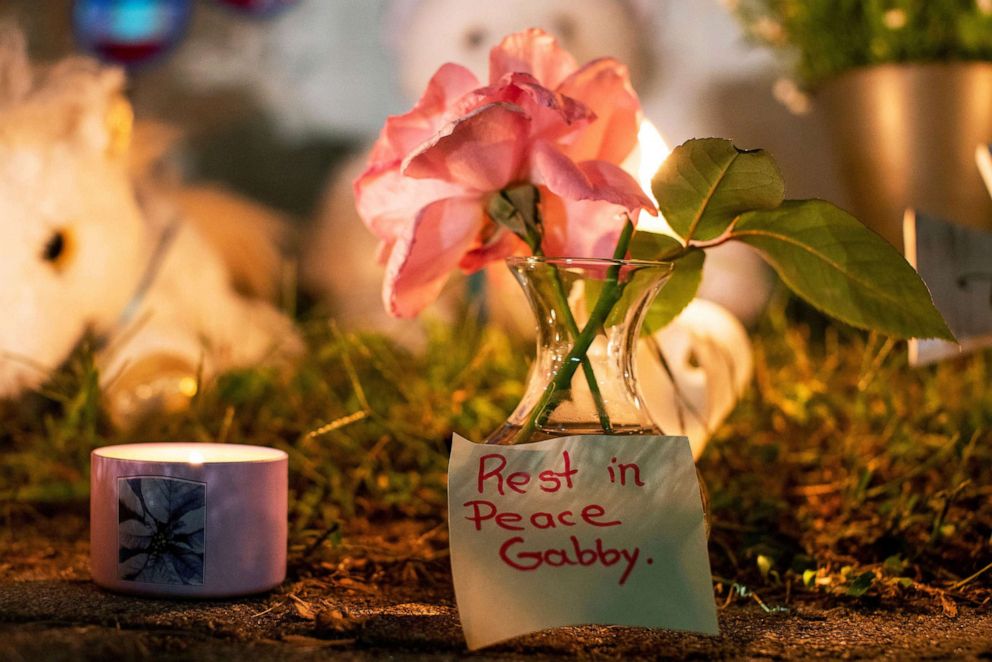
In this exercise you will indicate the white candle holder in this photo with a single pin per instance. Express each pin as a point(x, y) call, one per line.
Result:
point(188, 519)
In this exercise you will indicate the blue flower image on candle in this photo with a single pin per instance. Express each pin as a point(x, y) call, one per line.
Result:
point(160, 530)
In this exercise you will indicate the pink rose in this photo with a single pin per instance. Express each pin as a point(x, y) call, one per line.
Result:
point(541, 119)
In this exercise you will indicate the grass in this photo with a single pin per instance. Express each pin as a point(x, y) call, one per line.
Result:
point(847, 472)
point(842, 474)
point(365, 422)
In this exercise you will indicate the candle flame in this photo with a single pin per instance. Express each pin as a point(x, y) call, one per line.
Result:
point(652, 150)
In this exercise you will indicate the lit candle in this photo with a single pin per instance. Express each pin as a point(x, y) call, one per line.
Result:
point(193, 520)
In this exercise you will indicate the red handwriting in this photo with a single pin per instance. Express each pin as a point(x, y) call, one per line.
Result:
point(527, 560)
point(494, 479)
point(491, 468)
point(484, 511)
point(623, 469)
point(516, 480)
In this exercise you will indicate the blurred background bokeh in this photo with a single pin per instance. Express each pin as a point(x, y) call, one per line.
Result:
point(272, 101)
point(877, 106)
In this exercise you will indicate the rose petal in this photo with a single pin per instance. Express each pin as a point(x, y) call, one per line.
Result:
point(387, 201)
point(552, 115)
point(402, 133)
point(501, 246)
point(424, 255)
point(603, 85)
point(533, 52)
point(382, 252)
point(483, 151)
point(581, 228)
point(590, 180)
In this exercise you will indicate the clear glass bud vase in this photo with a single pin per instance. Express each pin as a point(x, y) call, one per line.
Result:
point(583, 381)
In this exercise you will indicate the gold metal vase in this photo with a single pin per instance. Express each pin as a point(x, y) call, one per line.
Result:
point(905, 137)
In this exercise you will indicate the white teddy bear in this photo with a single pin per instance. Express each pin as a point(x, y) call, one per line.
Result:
point(88, 244)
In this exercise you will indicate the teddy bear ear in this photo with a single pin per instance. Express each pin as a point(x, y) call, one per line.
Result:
point(119, 121)
point(88, 101)
point(106, 118)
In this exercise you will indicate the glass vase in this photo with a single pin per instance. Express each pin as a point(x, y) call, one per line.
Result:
point(583, 380)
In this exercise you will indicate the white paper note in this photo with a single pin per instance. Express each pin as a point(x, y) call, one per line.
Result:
point(578, 530)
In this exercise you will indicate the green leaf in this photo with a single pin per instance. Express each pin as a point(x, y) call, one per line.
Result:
point(705, 184)
point(677, 292)
point(654, 246)
point(765, 564)
point(841, 267)
point(515, 208)
point(860, 584)
point(646, 246)
point(894, 565)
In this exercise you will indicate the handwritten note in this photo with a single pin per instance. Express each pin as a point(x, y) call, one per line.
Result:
point(577, 530)
point(956, 264)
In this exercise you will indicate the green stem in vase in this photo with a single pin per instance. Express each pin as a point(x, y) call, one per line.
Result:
point(608, 298)
point(573, 328)
point(517, 209)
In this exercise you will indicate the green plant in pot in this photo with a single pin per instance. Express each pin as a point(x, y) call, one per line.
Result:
point(905, 90)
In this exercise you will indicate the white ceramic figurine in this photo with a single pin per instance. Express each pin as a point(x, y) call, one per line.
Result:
point(88, 244)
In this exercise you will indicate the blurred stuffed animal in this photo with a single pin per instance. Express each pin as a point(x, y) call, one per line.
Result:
point(426, 33)
point(87, 243)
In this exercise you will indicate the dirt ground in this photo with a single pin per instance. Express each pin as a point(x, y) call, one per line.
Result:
point(50, 610)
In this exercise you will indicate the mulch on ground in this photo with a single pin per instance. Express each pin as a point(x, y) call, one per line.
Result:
point(389, 594)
